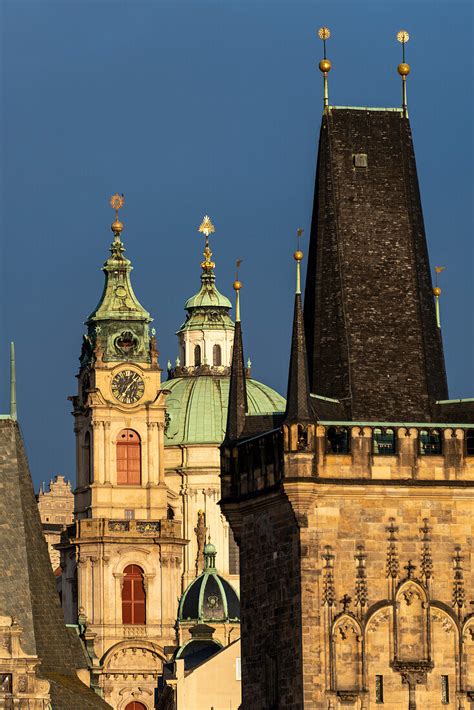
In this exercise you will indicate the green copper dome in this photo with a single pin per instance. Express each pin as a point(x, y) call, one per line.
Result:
point(208, 295)
point(209, 597)
point(197, 407)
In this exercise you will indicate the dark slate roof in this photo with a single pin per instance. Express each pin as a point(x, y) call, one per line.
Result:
point(298, 403)
point(237, 389)
point(27, 584)
point(370, 322)
point(455, 411)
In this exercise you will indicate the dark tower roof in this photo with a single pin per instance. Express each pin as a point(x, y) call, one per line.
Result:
point(371, 332)
point(27, 585)
point(237, 389)
point(298, 403)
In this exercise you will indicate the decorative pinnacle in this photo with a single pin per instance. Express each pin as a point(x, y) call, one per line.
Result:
point(207, 228)
point(237, 286)
point(298, 256)
point(437, 293)
point(403, 69)
point(117, 202)
point(325, 65)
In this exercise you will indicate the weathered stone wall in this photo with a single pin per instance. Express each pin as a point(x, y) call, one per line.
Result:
point(271, 606)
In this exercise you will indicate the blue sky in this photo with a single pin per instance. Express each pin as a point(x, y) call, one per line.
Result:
point(203, 107)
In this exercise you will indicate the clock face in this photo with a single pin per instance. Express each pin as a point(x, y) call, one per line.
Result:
point(127, 386)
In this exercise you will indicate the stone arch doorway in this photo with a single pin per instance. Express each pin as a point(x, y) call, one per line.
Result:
point(135, 705)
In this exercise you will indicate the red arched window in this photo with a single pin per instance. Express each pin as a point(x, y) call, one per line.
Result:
point(135, 705)
point(129, 468)
point(133, 596)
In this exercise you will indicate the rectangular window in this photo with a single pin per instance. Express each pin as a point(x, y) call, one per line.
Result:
point(379, 689)
point(238, 671)
point(445, 689)
point(129, 514)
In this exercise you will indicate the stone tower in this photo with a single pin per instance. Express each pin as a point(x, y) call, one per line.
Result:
point(122, 562)
point(356, 503)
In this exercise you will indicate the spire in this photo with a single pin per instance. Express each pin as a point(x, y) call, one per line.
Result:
point(13, 410)
point(237, 407)
point(119, 323)
point(298, 403)
point(403, 69)
point(325, 64)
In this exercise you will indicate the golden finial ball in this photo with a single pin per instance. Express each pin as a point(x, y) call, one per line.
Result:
point(298, 255)
point(325, 66)
point(117, 226)
point(437, 291)
point(403, 69)
point(237, 285)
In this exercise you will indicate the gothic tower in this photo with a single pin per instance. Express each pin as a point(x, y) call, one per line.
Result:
point(122, 563)
point(355, 504)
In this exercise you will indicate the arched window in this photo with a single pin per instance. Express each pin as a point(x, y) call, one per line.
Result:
point(383, 442)
point(337, 440)
point(133, 596)
point(216, 355)
point(135, 705)
point(197, 355)
point(431, 443)
point(128, 458)
point(470, 442)
point(86, 458)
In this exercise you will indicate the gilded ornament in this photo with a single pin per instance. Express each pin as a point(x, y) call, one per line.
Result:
point(325, 66)
point(403, 36)
point(324, 33)
point(206, 226)
point(117, 201)
point(237, 285)
point(298, 255)
point(403, 69)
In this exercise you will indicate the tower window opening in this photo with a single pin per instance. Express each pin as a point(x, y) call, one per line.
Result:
point(128, 458)
point(379, 689)
point(445, 689)
point(337, 440)
point(470, 442)
point(383, 442)
point(217, 355)
point(431, 443)
point(133, 596)
point(197, 355)
point(129, 514)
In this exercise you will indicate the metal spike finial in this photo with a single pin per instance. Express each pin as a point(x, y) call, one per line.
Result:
point(325, 65)
point(237, 286)
point(117, 202)
point(206, 227)
point(13, 409)
point(437, 293)
point(298, 256)
point(403, 69)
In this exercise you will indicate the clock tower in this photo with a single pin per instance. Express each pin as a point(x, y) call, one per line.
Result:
point(122, 561)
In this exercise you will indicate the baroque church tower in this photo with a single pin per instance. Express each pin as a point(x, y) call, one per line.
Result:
point(122, 563)
point(355, 503)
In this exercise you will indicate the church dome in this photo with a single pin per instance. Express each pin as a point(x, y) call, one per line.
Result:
point(197, 407)
point(209, 597)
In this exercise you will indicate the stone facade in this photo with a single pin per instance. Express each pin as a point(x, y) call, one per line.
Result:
point(56, 509)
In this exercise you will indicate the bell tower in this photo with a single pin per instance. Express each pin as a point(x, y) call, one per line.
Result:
point(122, 557)
point(120, 408)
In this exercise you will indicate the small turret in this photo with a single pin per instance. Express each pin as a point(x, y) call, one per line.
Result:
point(238, 387)
point(298, 402)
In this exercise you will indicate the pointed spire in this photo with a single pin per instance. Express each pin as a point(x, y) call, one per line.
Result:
point(325, 64)
point(13, 410)
point(298, 402)
point(237, 406)
point(403, 69)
